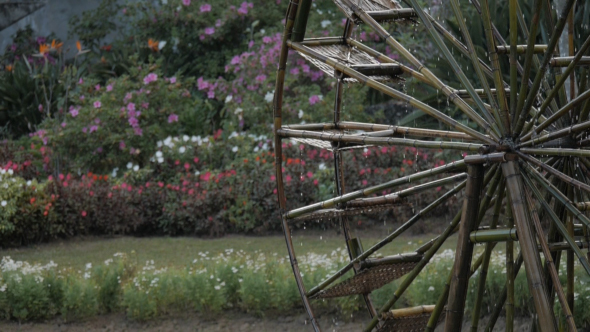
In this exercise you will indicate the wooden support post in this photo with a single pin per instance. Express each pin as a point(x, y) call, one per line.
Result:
point(528, 245)
point(460, 279)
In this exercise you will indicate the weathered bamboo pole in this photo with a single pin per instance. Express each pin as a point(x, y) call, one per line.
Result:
point(528, 246)
point(528, 63)
point(557, 115)
point(568, 60)
point(565, 178)
point(395, 197)
point(565, 306)
point(380, 141)
point(486, 259)
point(475, 62)
point(337, 65)
point(460, 280)
point(495, 62)
point(489, 158)
point(513, 58)
point(385, 241)
point(569, 255)
point(489, 126)
point(521, 49)
point(556, 152)
point(277, 114)
point(374, 189)
point(300, 24)
point(322, 41)
point(413, 311)
point(502, 298)
point(556, 134)
point(510, 275)
point(560, 226)
point(543, 69)
point(427, 256)
point(494, 235)
point(393, 14)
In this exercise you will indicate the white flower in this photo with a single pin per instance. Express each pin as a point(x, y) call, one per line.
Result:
point(269, 96)
point(159, 144)
point(29, 183)
point(256, 149)
point(194, 138)
point(228, 98)
point(235, 149)
point(300, 114)
point(322, 166)
point(430, 289)
point(238, 110)
point(217, 287)
point(136, 168)
point(10, 171)
point(182, 149)
point(185, 138)
point(129, 165)
point(160, 160)
point(88, 266)
point(114, 173)
point(161, 44)
point(325, 23)
point(3, 203)
point(159, 154)
point(197, 173)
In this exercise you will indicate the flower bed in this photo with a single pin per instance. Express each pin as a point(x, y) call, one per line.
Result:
point(253, 283)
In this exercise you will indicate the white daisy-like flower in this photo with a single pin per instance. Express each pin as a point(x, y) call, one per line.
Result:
point(3, 203)
point(182, 149)
point(136, 168)
point(431, 288)
point(238, 110)
point(325, 23)
point(300, 114)
point(160, 160)
point(269, 96)
point(235, 149)
point(129, 165)
point(10, 171)
point(159, 154)
point(185, 138)
point(228, 98)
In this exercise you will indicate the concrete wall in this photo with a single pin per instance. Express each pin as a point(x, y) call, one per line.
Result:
point(53, 17)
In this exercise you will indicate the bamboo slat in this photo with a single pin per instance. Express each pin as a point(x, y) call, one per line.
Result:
point(521, 49)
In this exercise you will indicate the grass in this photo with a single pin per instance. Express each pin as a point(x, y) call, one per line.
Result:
point(180, 251)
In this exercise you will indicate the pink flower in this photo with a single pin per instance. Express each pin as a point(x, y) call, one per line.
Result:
point(314, 99)
point(97, 104)
point(205, 8)
point(110, 87)
point(266, 39)
point(97, 87)
point(63, 124)
point(122, 145)
point(196, 160)
point(209, 31)
point(364, 182)
point(260, 78)
point(84, 213)
point(131, 108)
point(172, 118)
point(40, 107)
point(144, 106)
point(81, 81)
point(172, 80)
point(138, 131)
point(310, 175)
point(294, 71)
point(151, 77)
point(202, 84)
point(186, 2)
point(315, 182)
point(93, 128)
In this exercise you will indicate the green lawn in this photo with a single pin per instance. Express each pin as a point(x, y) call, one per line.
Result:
point(180, 251)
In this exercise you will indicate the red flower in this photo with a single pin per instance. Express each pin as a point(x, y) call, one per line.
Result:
point(84, 213)
point(45, 213)
point(32, 200)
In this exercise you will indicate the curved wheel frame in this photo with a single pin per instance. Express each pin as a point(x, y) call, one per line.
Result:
point(529, 153)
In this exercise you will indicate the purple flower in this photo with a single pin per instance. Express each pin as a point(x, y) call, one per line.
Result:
point(235, 60)
point(202, 84)
point(144, 106)
point(186, 2)
point(209, 31)
point(41, 40)
point(63, 124)
point(81, 81)
point(204, 8)
point(138, 131)
point(211, 94)
point(250, 44)
point(260, 78)
point(84, 130)
point(294, 71)
point(93, 128)
point(97, 104)
point(150, 78)
point(97, 87)
point(128, 96)
point(97, 120)
point(314, 99)
point(131, 107)
point(133, 121)
point(218, 23)
point(73, 112)
point(110, 87)
point(40, 107)
point(99, 149)
point(172, 80)
point(122, 145)
point(266, 39)
point(82, 97)
point(172, 118)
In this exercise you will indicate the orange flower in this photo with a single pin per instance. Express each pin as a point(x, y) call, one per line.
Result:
point(79, 46)
point(153, 45)
point(43, 49)
point(107, 48)
point(56, 46)
point(9, 68)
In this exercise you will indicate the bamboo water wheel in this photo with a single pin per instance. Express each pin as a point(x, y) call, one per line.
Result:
point(527, 158)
